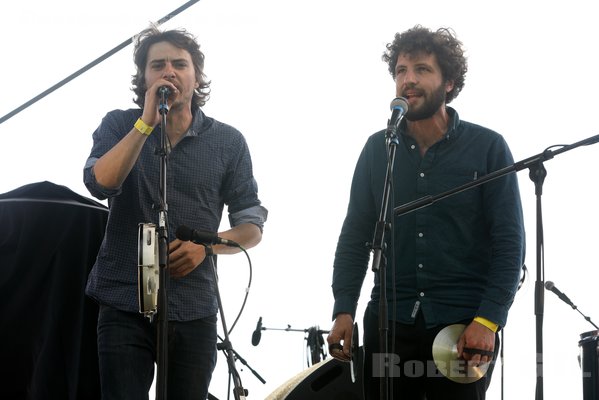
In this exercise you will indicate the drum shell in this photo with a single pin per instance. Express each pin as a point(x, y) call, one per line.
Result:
point(589, 364)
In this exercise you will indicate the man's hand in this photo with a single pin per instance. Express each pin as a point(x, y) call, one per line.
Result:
point(341, 332)
point(476, 344)
point(184, 257)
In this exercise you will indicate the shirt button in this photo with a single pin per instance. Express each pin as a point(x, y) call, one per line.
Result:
point(421, 294)
point(422, 174)
point(412, 147)
point(420, 266)
point(420, 234)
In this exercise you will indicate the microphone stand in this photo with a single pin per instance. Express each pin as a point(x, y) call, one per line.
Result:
point(379, 262)
point(220, 346)
point(314, 340)
point(162, 334)
point(537, 174)
point(239, 392)
point(569, 302)
point(242, 360)
point(586, 317)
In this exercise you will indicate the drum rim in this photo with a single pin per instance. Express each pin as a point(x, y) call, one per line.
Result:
point(589, 335)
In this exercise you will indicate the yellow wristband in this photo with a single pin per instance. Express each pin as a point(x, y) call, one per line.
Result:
point(483, 321)
point(142, 127)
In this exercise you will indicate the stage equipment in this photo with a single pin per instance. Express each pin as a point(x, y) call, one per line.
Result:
point(589, 350)
point(549, 285)
point(147, 270)
point(356, 362)
point(315, 343)
point(327, 380)
point(589, 364)
point(399, 107)
point(161, 243)
point(48, 340)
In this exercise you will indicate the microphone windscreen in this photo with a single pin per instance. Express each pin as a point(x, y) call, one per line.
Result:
point(184, 233)
point(256, 336)
point(164, 89)
point(549, 285)
point(400, 102)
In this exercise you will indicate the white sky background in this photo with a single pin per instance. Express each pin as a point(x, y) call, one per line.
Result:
point(304, 82)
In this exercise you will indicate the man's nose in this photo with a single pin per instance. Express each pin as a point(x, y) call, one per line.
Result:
point(409, 77)
point(169, 71)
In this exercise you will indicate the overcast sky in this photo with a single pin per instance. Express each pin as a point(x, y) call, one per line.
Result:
point(304, 82)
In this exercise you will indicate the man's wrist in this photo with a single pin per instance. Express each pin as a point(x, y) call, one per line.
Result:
point(485, 322)
point(142, 127)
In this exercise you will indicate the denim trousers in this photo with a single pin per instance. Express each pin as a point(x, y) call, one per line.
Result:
point(413, 346)
point(127, 348)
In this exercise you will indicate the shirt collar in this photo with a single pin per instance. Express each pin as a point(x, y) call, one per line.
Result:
point(198, 122)
point(452, 130)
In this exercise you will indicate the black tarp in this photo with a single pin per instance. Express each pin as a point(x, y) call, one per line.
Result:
point(49, 238)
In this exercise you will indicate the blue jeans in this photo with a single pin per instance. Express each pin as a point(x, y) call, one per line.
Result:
point(127, 346)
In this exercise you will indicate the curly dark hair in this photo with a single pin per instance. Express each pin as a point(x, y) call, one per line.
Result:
point(442, 43)
point(179, 38)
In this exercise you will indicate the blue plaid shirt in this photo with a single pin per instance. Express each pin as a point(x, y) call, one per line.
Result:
point(455, 259)
point(210, 167)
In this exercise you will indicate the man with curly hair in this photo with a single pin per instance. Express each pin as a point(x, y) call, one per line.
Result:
point(457, 261)
point(209, 166)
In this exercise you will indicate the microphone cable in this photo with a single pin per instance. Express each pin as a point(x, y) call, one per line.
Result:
point(247, 290)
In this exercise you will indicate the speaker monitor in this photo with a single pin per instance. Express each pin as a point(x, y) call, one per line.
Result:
point(328, 380)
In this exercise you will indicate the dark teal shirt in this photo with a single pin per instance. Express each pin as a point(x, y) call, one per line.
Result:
point(455, 259)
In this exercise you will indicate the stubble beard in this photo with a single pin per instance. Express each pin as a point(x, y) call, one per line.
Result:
point(429, 107)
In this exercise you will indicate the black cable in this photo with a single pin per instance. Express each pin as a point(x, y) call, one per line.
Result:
point(247, 290)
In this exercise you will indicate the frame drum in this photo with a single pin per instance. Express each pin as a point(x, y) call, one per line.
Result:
point(589, 363)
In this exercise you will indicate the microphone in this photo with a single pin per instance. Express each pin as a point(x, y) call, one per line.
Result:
point(550, 286)
point(257, 335)
point(201, 237)
point(164, 90)
point(399, 108)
